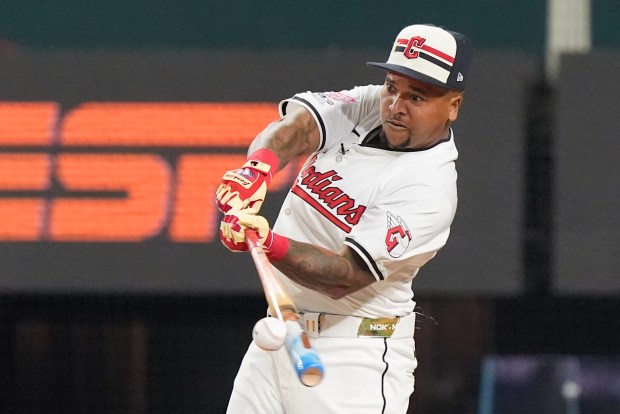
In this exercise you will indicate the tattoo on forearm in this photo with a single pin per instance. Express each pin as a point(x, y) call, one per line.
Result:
point(316, 268)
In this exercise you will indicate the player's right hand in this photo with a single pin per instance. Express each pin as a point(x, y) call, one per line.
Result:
point(232, 234)
point(233, 225)
point(245, 188)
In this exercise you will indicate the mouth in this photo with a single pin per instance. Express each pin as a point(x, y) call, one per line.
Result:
point(395, 124)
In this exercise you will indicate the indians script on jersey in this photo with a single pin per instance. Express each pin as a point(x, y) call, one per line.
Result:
point(333, 202)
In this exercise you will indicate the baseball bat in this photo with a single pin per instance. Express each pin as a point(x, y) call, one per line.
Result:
point(305, 359)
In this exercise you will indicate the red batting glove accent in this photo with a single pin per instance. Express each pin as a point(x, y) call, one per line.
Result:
point(277, 246)
point(228, 228)
point(268, 157)
point(232, 234)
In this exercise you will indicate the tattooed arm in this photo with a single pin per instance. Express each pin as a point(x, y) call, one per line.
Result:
point(294, 134)
point(334, 274)
point(319, 269)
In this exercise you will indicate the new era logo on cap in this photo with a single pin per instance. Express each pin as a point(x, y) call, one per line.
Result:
point(430, 54)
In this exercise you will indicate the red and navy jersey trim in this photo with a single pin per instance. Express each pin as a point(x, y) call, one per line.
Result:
point(367, 256)
point(316, 114)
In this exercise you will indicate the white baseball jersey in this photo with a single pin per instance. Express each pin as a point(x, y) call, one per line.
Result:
point(393, 207)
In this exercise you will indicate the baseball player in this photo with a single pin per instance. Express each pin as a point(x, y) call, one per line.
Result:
point(373, 203)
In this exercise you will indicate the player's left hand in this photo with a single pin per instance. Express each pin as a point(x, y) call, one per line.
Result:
point(232, 234)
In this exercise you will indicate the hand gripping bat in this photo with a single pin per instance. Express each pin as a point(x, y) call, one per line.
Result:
point(304, 358)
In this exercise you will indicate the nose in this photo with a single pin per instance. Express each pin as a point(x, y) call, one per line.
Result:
point(397, 106)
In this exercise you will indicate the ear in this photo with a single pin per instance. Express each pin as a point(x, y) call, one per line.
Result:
point(454, 105)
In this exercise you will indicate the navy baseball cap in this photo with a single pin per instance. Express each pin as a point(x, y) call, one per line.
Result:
point(430, 54)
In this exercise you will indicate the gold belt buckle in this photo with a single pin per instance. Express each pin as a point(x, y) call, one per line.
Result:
point(378, 327)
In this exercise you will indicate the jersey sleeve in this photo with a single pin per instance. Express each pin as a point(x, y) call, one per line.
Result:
point(336, 113)
point(402, 232)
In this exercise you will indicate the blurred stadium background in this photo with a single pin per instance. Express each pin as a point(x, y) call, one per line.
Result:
point(117, 119)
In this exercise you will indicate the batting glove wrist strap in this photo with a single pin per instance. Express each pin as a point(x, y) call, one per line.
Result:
point(277, 246)
point(264, 160)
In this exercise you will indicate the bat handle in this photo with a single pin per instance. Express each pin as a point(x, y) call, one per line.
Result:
point(251, 238)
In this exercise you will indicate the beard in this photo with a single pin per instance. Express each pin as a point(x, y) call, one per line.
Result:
point(395, 144)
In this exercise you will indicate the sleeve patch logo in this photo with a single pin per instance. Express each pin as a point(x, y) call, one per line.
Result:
point(398, 235)
point(330, 97)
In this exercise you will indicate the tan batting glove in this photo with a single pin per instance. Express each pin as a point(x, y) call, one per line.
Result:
point(233, 225)
point(232, 234)
point(245, 188)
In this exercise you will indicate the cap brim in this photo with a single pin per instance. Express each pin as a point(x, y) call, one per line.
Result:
point(410, 74)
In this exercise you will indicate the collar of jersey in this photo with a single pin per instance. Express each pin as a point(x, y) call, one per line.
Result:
point(373, 140)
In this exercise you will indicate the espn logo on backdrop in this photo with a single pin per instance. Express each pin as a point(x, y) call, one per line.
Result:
point(121, 172)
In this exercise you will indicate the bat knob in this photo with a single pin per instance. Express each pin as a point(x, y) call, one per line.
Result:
point(305, 359)
point(312, 376)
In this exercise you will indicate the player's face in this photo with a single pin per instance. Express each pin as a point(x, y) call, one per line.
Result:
point(415, 114)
